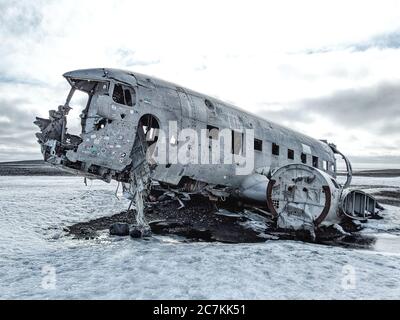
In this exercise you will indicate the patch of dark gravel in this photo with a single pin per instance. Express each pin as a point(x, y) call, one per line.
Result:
point(197, 221)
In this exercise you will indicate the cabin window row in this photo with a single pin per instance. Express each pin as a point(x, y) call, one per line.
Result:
point(237, 147)
point(275, 150)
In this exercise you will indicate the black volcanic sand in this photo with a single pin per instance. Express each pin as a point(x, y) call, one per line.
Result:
point(199, 221)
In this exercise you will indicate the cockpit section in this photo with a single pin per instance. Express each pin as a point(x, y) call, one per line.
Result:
point(94, 130)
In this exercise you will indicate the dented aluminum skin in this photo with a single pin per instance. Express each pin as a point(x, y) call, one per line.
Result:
point(113, 144)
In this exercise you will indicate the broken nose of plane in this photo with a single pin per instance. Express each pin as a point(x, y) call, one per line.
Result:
point(52, 130)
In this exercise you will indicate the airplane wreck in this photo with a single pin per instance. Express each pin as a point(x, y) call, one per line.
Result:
point(149, 134)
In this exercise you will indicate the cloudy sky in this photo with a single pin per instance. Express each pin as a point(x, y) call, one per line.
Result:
point(330, 69)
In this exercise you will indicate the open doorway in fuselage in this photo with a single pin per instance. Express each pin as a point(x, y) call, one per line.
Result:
point(151, 127)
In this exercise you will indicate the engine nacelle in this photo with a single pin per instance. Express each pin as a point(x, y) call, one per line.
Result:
point(303, 197)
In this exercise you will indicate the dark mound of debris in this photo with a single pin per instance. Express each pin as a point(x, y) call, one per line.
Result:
point(202, 220)
point(198, 220)
point(88, 230)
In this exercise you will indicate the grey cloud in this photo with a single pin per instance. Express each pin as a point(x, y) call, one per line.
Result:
point(20, 29)
point(388, 145)
point(127, 58)
point(5, 78)
point(390, 127)
point(22, 140)
point(375, 108)
point(17, 134)
point(388, 40)
point(19, 119)
point(289, 113)
point(20, 17)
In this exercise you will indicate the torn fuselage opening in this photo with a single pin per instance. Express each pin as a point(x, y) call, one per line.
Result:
point(94, 131)
point(150, 126)
point(76, 117)
point(80, 116)
point(89, 115)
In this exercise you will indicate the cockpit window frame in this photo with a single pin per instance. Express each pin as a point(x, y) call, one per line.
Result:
point(127, 102)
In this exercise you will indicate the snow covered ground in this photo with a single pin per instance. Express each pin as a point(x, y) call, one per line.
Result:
point(37, 260)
